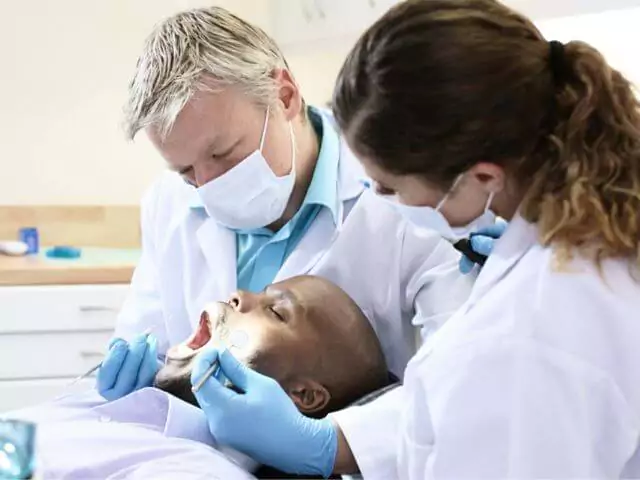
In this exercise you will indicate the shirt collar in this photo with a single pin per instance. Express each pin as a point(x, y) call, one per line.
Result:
point(323, 189)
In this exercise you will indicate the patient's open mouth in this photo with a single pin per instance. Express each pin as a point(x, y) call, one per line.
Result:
point(203, 334)
point(212, 319)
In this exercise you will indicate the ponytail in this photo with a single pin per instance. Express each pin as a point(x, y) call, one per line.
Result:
point(587, 193)
point(435, 87)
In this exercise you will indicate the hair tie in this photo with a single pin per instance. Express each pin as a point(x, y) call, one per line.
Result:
point(558, 63)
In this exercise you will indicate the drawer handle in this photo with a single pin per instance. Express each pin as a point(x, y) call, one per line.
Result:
point(97, 308)
point(91, 354)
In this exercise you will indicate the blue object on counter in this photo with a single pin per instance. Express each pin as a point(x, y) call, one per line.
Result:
point(17, 445)
point(30, 237)
point(64, 252)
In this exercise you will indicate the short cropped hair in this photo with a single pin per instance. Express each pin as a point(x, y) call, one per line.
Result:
point(190, 47)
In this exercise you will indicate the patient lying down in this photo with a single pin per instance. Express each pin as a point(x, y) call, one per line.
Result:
point(304, 332)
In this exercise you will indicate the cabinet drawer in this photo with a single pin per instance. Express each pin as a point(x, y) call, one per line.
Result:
point(60, 308)
point(51, 355)
point(21, 394)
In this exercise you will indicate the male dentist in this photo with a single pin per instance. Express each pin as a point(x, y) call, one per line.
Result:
point(262, 188)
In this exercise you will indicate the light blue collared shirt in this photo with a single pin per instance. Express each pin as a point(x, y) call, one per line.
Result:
point(261, 252)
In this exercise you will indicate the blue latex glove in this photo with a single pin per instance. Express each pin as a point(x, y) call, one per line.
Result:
point(263, 422)
point(482, 242)
point(128, 366)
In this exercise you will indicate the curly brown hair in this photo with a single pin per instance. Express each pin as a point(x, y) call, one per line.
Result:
point(435, 86)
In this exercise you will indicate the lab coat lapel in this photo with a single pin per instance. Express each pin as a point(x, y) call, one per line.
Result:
point(324, 231)
point(508, 250)
point(519, 238)
point(219, 280)
point(315, 243)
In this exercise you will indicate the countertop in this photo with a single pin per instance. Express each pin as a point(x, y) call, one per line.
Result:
point(95, 266)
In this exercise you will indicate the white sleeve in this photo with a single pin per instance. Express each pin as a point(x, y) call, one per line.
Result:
point(371, 431)
point(435, 289)
point(514, 409)
point(142, 309)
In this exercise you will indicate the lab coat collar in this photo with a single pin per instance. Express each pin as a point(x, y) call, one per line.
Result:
point(518, 238)
point(218, 245)
point(324, 231)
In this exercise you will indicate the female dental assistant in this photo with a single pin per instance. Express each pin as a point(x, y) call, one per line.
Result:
point(458, 109)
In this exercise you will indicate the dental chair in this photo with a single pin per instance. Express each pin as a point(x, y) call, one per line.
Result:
point(272, 473)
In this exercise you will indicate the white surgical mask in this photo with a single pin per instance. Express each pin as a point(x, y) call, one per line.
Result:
point(250, 195)
point(432, 218)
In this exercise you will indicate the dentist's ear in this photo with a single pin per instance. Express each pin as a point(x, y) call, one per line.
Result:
point(310, 397)
point(289, 95)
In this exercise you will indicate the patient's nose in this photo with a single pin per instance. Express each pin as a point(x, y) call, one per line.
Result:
point(242, 301)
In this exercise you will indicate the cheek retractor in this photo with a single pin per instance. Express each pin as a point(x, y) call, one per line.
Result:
point(236, 339)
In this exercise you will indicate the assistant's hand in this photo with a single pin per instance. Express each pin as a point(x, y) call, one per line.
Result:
point(482, 242)
point(128, 366)
point(263, 422)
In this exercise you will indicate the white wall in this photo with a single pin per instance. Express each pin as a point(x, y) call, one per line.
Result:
point(65, 69)
point(64, 72)
point(614, 33)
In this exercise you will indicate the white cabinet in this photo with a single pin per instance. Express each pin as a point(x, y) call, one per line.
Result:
point(51, 334)
point(19, 394)
point(300, 22)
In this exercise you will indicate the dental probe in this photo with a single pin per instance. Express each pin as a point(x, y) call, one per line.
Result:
point(94, 368)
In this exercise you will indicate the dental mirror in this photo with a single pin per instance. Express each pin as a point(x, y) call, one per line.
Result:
point(237, 339)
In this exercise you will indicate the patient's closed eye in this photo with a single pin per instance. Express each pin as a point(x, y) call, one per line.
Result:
point(274, 311)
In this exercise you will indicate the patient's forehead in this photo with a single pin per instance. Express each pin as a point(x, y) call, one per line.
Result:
point(313, 294)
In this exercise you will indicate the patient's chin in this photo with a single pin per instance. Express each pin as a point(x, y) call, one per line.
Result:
point(176, 381)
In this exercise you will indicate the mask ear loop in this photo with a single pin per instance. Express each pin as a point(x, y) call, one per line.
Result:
point(489, 200)
point(293, 150)
point(446, 197)
point(264, 129)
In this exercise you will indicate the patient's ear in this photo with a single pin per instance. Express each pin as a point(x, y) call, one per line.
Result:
point(309, 396)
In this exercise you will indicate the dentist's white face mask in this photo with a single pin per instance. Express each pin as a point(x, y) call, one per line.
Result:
point(250, 195)
point(432, 218)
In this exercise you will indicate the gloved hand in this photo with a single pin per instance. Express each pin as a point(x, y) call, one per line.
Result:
point(128, 366)
point(482, 242)
point(264, 423)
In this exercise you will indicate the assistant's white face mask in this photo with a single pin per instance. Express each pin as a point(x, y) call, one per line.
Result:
point(250, 195)
point(432, 218)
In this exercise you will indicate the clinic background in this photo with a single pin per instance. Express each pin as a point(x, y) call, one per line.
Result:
point(68, 171)
point(66, 65)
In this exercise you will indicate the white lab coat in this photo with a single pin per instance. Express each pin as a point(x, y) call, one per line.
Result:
point(537, 376)
point(400, 278)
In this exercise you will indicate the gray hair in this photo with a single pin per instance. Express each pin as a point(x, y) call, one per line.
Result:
point(186, 49)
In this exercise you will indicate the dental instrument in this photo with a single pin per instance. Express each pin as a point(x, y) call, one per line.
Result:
point(237, 339)
point(464, 247)
point(94, 368)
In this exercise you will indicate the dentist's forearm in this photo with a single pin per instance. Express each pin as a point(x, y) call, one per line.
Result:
point(345, 461)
